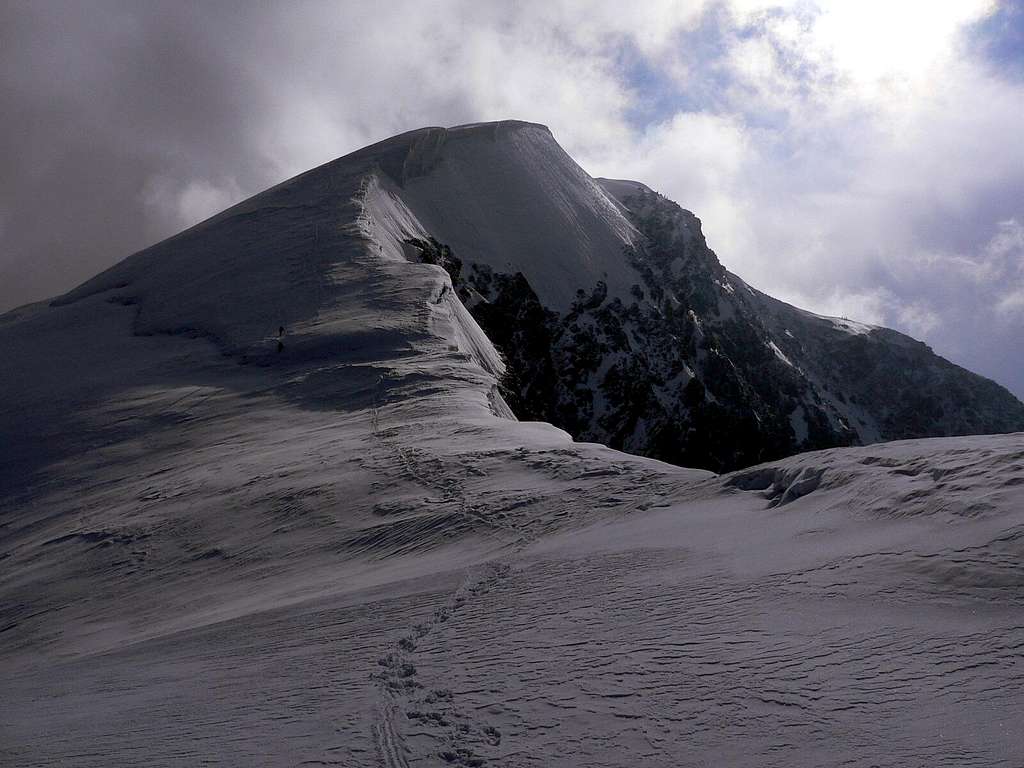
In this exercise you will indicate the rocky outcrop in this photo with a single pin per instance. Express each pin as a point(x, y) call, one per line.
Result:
point(697, 368)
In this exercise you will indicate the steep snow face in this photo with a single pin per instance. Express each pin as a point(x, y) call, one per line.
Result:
point(506, 195)
point(389, 225)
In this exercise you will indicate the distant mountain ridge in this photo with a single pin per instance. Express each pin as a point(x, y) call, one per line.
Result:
point(613, 318)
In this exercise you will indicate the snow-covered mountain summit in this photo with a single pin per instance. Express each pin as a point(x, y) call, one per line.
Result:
point(263, 499)
point(612, 317)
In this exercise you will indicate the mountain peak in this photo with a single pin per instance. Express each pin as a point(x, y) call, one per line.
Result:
point(506, 194)
point(414, 153)
point(616, 320)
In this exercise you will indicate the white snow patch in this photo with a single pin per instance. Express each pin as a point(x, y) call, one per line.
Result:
point(779, 353)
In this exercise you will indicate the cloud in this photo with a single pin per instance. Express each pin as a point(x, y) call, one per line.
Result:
point(183, 203)
point(1011, 305)
point(1004, 265)
point(879, 174)
point(694, 156)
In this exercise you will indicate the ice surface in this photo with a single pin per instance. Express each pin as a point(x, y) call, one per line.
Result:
point(347, 552)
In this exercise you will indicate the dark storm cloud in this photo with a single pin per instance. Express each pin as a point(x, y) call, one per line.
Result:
point(100, 100)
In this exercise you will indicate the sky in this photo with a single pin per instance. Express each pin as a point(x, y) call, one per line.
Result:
point(854, 157)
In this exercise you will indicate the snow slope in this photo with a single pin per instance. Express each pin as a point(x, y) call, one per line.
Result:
point(349, 552)
point(507, 195)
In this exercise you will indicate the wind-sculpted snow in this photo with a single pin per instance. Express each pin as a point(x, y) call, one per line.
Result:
point(335, 545)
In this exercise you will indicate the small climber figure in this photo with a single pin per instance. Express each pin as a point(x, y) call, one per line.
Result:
point(280, 338)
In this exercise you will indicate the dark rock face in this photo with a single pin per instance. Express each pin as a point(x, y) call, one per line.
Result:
point(890, 386)
point(696, 368)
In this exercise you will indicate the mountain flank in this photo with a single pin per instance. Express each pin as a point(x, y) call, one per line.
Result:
point(612, 317)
